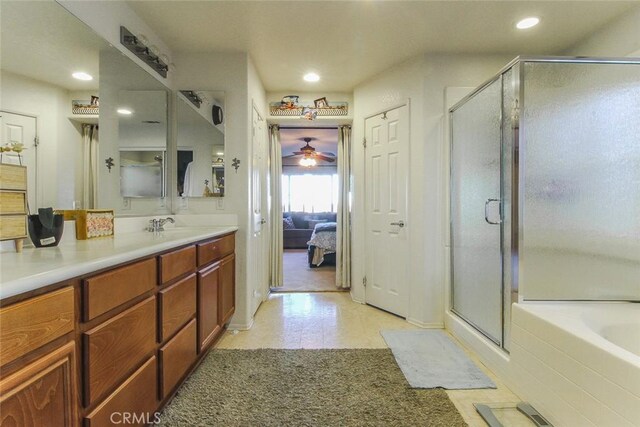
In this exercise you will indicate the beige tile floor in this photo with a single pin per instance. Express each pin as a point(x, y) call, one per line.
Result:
point(332, 320)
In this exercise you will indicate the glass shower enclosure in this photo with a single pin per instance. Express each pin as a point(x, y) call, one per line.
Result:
point(545, 188)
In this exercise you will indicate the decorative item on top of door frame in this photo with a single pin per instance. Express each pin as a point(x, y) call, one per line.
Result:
point(321, 102)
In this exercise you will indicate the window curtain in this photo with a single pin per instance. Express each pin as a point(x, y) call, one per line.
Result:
point(90, 166)
point(343, 227)
point(275, 183)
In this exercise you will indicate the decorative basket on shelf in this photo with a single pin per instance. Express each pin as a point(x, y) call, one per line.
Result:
point(334, 109)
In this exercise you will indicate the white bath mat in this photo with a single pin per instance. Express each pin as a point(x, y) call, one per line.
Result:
point(430, 359)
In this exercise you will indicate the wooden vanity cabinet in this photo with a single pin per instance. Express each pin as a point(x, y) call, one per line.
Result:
point(117, 341)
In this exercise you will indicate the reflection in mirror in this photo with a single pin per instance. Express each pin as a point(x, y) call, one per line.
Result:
point(142, 128)
point(59, 81)
point(134, 122)
point(142, 173)
point(200, 171)
point(49, 85)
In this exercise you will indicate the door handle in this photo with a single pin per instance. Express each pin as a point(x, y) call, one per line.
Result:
point(486, 214)
point(263, 221)
point(399, 223)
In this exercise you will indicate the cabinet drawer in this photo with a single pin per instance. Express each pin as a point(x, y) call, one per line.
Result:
point(208, 305)
point(13, 177)
point(108, 290)
point(177, 263)
point(176, 357)
point(115, 347)
point(215, 249)
point(177, 306)
point(42, 393)
point(12, 203)
point(30, 324)
point(137, 395)
point(12, 226)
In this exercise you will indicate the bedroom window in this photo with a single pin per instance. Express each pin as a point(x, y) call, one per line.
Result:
point(310, 193)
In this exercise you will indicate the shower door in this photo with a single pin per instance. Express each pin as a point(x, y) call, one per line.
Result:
point(477, 211)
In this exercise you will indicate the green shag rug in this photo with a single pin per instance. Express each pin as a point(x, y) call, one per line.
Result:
point(272, 387)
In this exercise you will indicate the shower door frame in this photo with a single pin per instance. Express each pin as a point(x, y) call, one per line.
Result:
point(496, 78)
point(518, 165)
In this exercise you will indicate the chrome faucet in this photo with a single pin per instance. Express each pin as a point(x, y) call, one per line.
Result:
point(156, 225)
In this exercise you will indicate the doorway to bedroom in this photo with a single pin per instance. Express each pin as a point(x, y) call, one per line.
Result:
point(310, 194)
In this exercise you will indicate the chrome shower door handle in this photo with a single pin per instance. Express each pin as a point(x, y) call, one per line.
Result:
point(486, 213)
point(399, 223)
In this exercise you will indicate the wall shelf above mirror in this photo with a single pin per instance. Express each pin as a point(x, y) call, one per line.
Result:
point(201, 143)
point(56, 75)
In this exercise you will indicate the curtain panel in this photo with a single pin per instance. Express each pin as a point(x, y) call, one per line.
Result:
point(343, 227)
point(275, 183)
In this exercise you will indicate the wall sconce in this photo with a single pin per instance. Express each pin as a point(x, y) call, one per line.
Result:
point(192, 97)
point(109, 163)
point(138, 46)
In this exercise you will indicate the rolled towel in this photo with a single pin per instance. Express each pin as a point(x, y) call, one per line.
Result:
point(45, 215)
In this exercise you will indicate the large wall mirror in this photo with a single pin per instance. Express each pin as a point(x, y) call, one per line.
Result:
point(200, 157)
point(142, 127)
point(63, 86)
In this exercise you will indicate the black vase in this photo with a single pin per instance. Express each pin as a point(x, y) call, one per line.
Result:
point(42, 236)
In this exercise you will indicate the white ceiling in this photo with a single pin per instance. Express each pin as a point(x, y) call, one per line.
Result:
point(41, 40)
point(347, 42)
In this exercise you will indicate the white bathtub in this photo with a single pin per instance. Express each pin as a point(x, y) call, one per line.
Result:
point(578, 363)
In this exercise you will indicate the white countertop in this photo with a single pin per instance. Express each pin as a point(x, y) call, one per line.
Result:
point(35, 268)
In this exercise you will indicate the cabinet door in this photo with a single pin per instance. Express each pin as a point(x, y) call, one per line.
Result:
point(208, 305)
point(227, 288)
point(42, 393)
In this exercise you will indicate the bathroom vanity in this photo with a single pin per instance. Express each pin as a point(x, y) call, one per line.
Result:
point(112, 330)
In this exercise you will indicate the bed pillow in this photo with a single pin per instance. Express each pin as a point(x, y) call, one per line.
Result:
point(313, 222)
point(287, 223)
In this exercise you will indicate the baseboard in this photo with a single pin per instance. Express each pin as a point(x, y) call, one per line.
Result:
point(354, 299)
point(240, 326)
point(425, 325)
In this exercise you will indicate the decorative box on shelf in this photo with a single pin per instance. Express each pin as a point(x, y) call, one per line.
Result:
point(334, 109)
point(91, 223)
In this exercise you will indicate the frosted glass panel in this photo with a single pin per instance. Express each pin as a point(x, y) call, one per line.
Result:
point(475, 179)
point(509, 134)
point(581, 213)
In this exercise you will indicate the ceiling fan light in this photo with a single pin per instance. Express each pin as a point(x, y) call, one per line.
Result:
point(307, 162)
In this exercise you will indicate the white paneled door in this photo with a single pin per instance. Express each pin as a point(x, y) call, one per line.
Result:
point(18, 128)
point(258, 173)
point(387, 226)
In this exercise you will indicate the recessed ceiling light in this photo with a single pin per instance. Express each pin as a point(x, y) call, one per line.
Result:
point(219, 153)
point(311, 77)
point(529, 22)
point(124, 111)
point(81, 76)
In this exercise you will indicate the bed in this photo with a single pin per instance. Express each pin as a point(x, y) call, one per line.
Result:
point(322, 244)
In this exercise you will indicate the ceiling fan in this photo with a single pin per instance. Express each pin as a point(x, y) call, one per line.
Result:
point(309, 154)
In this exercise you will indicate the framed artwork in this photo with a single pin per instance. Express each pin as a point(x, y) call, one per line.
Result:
point(321, 103)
